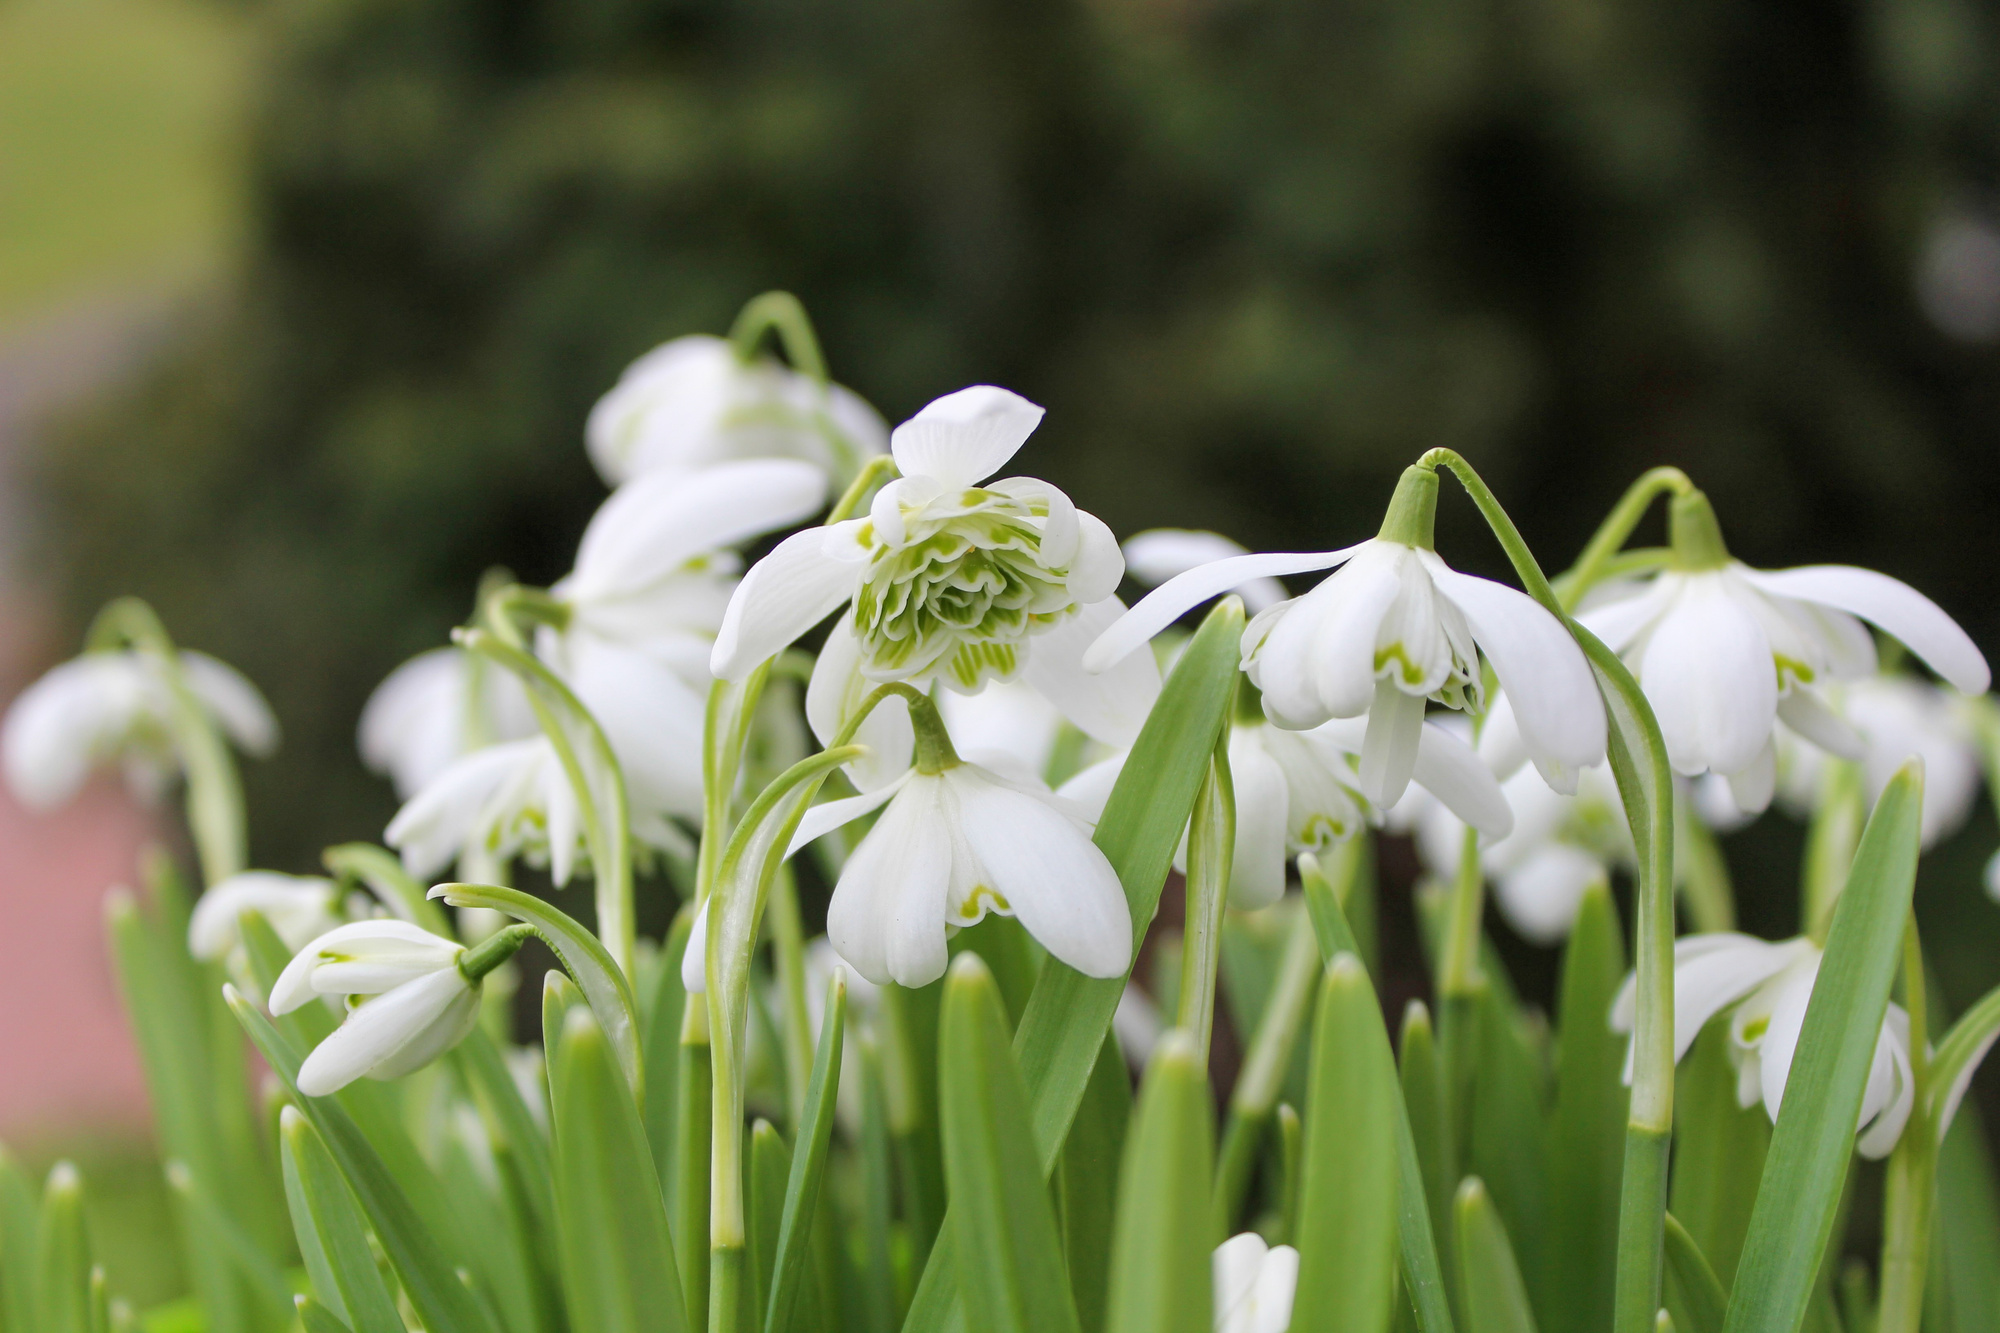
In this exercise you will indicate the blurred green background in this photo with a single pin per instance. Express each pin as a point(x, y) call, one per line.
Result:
point(1253, 255)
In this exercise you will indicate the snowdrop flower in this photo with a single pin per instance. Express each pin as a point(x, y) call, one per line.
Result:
point(694, 402)
point(640, 611)
point(949, 578)
point(1138, 1025)
point(507, 800)
point(1895, 717)
point(1771, 985)
point(1254, 1285)
point(298, 907)
point(435, 708)
point(425, 991)
point(1159, 554)
point(1724, 651)
point(1392, 627)
point(115, 707)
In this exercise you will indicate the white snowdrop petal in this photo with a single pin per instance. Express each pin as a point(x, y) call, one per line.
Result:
point(1109, 705)
point(1090, 789)
point(1154, 556)
point(886, 919)
point(654, 524)
point(1791, 993)
point(1263, 805)
point(377, 1032)
point(1328, 637)
point(1620, 622)
point(827, 816)
point(785, 594)
point(964, 437)
point(1098, 564)
point(1540, 896)
point(1891, 1090)
point(1892, 605)
point(694, 958)
point(233, 701)
point(1450, 770)
point(1389, 749)
point(1752, 787)
point(1236, 1264)
point(1177, 596)
point(1707, 672)
point(1806, 713)
point(836, 690)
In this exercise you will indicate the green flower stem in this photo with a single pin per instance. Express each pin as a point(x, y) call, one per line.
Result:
point(1458, 962)
point(214, 791)
point(1412, 515)
point(780, 313)
point(726, 1304)
point(1638, 757)
point(1694, 533)
point(1211, 848)
point(875, 471)
point(1909, 1206)
point(1595, 564)
point(1705, 887)
point(475, 963)
point(725, 732)
point(788, 947)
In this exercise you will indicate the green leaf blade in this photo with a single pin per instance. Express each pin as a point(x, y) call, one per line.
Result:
point(1160, 1268)
point(330, 1231)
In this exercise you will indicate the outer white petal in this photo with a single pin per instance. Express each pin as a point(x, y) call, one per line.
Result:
point(1263, 805)
point(1963, 1083)
point(1894, 606)
point(294, 985)
point(297, 908)
point(434, 824)
point(1712, 972)
point(1157, 555)
point(965, 437)
point(785, 594)
point(676, 391)
point(1708, 673)
point(412, 725)
point(1891, 1094)
point(1174, 598)
point(886, 919)
point(1621, 622)
point(1556, 704)
point(1109, 705)
point(1090, 789)
point(654, 524)
point(1752, 788)
point(1789, 997)
point(1449, 769)
point(1320, 654)
point(836, 690)
point(1389, 750)
point(234, 702)
point(1540, 896)
point(65, 722)
point(1807, 714)
point(1098, 565)
point(383, 1034)
point(694, 958)
point(824, 818)
point(652, 718)
point(1057, 881)
point(1254, 1286)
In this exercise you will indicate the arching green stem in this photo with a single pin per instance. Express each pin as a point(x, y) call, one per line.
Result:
point(1593, 566)
point(1211, 850)
point(783, 314)
point(1909, 1205)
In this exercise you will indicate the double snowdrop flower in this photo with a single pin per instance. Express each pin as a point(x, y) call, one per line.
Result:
point(436, 708)
point(1724, 652)
point(493, 805)
point(115, 707)
point(1393, 628)
point(694, 402)
point(1771, 985)
point(1255, 1284)
point(298, 908)
point(423, 998)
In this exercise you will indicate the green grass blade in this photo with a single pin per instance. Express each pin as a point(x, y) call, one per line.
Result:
point(1496, 1300)
point(1694, 1293)
point(1587, 1130)
point(330, 1231)
point(501, 1266)
point(1089, 1182)
point(1348, 1205)
point(1811, 1143)
point(316, 1318)
point(62, 1256)
point(1160, 1280)
point(808, 1166)
point(616, 1256)
point(770, 1167)
point(18, 1242)
point(270, 1290)
point(1010, 1265)
point(428, 1275)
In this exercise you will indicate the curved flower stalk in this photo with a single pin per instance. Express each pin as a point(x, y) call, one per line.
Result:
point(299, 907)
point(435, 709)
point(950, 577)
point(422, 997)
point(1392, 628)
point(1724, 652)
point(700, 400)
point(1254, 1285)
point(1770, 986)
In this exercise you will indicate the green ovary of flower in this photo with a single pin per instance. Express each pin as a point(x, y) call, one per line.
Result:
point(960, 594)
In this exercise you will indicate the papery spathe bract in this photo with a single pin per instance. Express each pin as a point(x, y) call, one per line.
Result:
point(694, 402)
point(298, 907)
point(948, 578)
point(115, 707)
point(1255, 1284)
point(435, 708)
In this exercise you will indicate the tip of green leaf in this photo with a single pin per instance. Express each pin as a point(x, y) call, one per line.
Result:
point(1471, 1195)
point(968, 970)
point(64, 1179)
point(581, 1024)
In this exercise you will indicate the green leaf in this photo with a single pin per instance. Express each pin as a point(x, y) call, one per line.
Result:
point(1960, 1051)
point(1507, 1150)
point(693, 1084)
point(1069, 1013)
point(1010, 1265)
point(429, 1276)
point(1587, 1130)
point(602, 983)
point(770, 1166)
point(1088, 1182)
point(1348, 1204)
point(877, 1277)
point(316, 1318)
point(18, 1244)
point(1814, 1136)
point(617, 1259)
point(1719, 1150)
point(661, 1047)
point(266, 1280)
point(1264, 1066)
point(62, 1256)
point(1427, 1117)
point(330, 1231)
point(510, 1123)
point(1693, 1291)
point(808, 1161)
point(1160, 1265)
point(382, 871)
point(1495, 1299)
point(1965, 1252)
point(502, 1269)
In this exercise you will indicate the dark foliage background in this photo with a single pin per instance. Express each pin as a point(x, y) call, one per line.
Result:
point(1254, 255)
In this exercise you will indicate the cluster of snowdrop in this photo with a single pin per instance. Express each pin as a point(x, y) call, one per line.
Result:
point(977, 655)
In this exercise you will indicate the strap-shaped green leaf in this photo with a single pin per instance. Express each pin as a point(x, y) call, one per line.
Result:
point(788, 1269)
point(1814, 1136)
point(1009, 1260)
point(1719, 1150)
point(382, 871)
point(62, 1256)
point(1692, 1287)
point(661, 1047)
point(770, 1166)
point(331, 1236)
point(509, 1121)
point(18, 1242)
point(617, 1259)
point(316, 1318)
point(1087, 1192)
point(1494, 1297)
point(692, 1122)
point(429, 1276)
point(1068, 1013)
point(269, 1290)
point(1264, 1066)
point(1507, 1150)
point(602, 983)
point(1958, 1056)
point(1160, 1268)
point(1348, 1202)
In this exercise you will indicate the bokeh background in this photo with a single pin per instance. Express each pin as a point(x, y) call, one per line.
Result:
point(303, 302)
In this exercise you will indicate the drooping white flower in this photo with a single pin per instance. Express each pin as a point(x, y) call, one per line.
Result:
point(115, 707)
point(1771, 985)
point(949, 578)
point(298, 907)
point(423, 1005)
point(1724, 652)
point(1154, 556)
point(1394, 626)
point(1895, 717)
point(435, 708)
point(1254, 1285)
point(692, 403)
point(507, 800)
point(951, 846)
point(1138, 1025)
